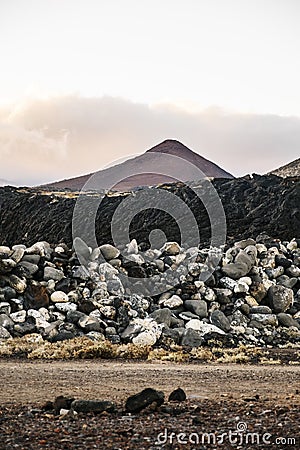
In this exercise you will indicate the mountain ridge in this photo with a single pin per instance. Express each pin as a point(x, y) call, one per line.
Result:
point(148, 169)
point(291, 169)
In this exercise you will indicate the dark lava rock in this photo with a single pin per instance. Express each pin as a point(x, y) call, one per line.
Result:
point(25, 328)
point(192, 338)
point(283, 262)
point(198, 307)
point(36, 297)
point(140, 401)
point(66, 285)
point(63, 335)
point(173, 334)
point(253, 205)
point(177, 396)
point(280, 297)
point(95, 406)
point(61, 402)
point(219, 319)
point(163, 315)
point(287, 321)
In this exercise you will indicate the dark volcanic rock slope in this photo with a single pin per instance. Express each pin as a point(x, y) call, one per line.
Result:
point(252, 205)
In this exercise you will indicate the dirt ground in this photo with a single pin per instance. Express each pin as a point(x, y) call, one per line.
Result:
point(265, 398)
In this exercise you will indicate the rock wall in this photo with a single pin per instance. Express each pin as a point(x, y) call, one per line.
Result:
point(252, 205)
point(252, 296)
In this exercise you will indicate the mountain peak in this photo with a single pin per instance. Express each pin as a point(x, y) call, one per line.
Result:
point(148, 169)
point(170, 146)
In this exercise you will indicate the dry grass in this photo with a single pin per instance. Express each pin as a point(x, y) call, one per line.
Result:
point(266, 360)
point(33, 347)
point(175, 355)
point(20, 347)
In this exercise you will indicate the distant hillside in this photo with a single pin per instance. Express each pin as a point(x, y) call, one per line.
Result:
point(5, 182)
point(291, 169)
point(149, 169)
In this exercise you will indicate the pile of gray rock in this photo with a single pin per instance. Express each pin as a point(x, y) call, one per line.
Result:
point(252, 296)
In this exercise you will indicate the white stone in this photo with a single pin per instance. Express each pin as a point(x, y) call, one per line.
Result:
point(209, 328)
point(261, 248)
point(194, 324)
point(209, 295)
point(59, 297)
point(93, 266)
point(132, 248)
point(51, 285)
point(238, 329)
point(228, 283)
point(152, 254)
point(179, 259)
point(5, 250)
point(86, 293)
point(59, 249)
point(39, 248)
point(108, 311)
point(34, 313)
point(44, 313)
point(246, 280)
point(18, 317)
point(41, 323)
point(108, 271)
point(292, 245)
point(57, 316)
point(172, 302)
point(66, 307)
point(95, 336)
point(145, 338)
point(241, 287)
point(265, 319)
point(138, 259)
point(199, 284)
point(96, 315)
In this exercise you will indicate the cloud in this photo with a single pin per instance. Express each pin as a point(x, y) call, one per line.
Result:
point(44, 140)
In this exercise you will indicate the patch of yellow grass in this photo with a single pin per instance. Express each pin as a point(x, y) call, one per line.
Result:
point(84, 348)
point(20, 347)
point(34, 347)
point(202, 354)
point(160, 354)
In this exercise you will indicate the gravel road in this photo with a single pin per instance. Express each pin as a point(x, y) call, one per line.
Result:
point(266, 399)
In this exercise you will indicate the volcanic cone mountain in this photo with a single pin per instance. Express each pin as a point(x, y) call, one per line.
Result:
point(291, 169)
point(167, 162)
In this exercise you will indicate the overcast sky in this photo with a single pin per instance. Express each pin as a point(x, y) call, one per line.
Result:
point(84, 83)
